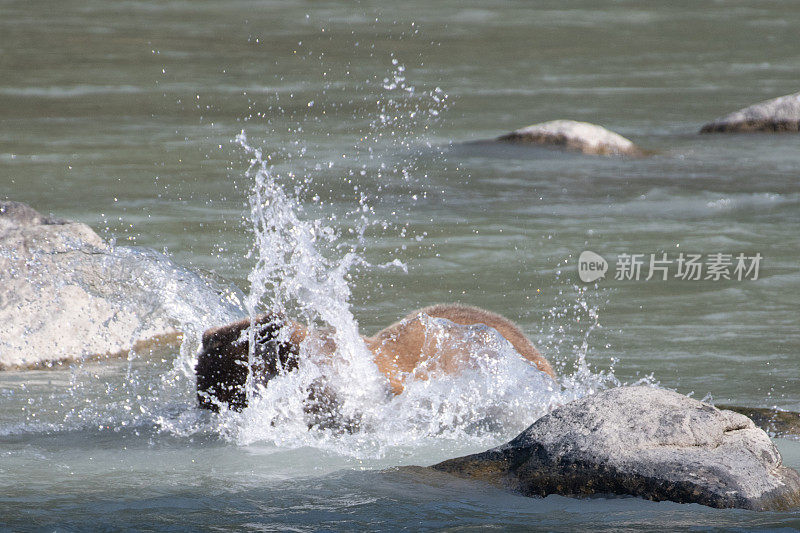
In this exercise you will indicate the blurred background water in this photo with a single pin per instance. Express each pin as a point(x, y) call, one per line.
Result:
point(124, 115)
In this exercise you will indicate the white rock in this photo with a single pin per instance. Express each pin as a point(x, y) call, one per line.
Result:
point(775, 116)
point(65, 294)
point(575, 136)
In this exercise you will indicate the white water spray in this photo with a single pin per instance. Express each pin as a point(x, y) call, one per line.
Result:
point(301, 272)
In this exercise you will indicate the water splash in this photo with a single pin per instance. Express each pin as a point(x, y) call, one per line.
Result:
point(307, 257)
point(298, 278)
point(304, 270)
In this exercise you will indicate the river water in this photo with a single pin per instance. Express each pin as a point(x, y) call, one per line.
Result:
point(165, 125)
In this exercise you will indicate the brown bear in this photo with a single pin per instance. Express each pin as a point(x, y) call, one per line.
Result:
point(401, 348)
point(400, 351)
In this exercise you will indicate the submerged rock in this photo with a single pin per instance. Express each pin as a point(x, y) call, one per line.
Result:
point(773, 116)
point(644, 442)
point(575, 136)
point(774, 422)
point(65, 294)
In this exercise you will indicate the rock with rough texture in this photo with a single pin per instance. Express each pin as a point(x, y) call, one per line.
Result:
point(574, 136)
point(644, 442)
point(778, 115)
point(65, 294)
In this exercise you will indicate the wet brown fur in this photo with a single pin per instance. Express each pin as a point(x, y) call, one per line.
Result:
point(401, 350)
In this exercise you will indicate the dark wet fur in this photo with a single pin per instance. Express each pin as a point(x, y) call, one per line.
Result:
point(222, 371)
point(222, 366)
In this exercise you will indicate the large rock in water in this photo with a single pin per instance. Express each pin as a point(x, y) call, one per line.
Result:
point(773, 116)
point(575, 136)
point(644, 442)
point(65, 294)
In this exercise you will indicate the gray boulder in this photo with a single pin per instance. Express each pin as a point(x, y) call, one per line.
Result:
point(574, 136)
point(65, 294)
point(644, 442)
point(773, 116)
